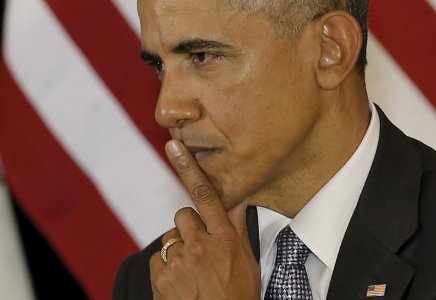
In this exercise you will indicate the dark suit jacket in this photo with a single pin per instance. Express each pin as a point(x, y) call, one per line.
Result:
point(391, 237)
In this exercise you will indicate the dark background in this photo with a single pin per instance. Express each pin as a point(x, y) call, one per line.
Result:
point(50, 279)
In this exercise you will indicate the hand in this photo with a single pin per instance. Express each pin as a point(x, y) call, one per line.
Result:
point(214, 259)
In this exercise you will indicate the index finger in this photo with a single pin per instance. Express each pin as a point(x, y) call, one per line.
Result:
point(202, 193)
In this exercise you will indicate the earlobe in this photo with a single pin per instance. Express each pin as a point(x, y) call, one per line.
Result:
point(340, 40)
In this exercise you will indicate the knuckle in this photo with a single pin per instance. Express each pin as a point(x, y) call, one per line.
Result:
point(175, 263)
point(173, 254)
point(183, 213)
point(199, 189)
point(196, 238)
point(190, 172)
point(196, 251)
point(170, 234)
point(202, 193)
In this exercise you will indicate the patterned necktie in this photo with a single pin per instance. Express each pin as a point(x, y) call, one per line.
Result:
point(289, 278)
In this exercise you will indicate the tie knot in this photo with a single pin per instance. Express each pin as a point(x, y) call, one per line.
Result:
point(290, 249)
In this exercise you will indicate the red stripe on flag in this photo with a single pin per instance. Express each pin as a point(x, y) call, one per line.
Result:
point(113, 50)
point(407, 29)
point(58, 196)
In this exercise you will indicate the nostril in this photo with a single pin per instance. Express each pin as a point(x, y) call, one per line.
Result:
point(180, 123)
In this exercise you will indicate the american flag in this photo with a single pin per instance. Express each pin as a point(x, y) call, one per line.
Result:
point(78, 141)
point(377, 290)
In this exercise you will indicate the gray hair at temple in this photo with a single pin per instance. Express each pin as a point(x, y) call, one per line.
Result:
point(292, 15)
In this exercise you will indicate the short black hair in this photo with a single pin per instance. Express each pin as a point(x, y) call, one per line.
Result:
point(293, 15)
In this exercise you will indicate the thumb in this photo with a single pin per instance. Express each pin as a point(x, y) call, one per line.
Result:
point(237, 216)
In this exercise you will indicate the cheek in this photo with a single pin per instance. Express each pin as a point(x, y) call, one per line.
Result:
point(226, 106)
point(258, 104)
point(242, 112)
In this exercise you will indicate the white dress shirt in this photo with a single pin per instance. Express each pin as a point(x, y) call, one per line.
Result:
point(322, 222)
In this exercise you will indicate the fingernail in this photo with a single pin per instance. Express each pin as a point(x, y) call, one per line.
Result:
point(174, 148)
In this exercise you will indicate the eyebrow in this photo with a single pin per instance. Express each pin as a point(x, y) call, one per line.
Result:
point(187, 46)
point(148, 56)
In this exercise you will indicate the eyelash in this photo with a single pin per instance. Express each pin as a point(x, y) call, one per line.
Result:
point(195, 57)
point(200, 58)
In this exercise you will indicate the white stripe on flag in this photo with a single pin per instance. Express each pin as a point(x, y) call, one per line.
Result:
point(83, 115)
point(393, 90)
point(14, 277)
point(432, 3)
point(130, 13)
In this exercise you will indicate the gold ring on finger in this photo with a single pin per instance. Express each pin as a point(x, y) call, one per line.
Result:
point(164, 250)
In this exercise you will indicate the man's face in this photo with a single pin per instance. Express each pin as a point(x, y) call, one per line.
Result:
point(242, 99)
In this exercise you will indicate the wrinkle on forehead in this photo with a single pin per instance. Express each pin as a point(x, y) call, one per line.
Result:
point(170, 21)
point(173, 8)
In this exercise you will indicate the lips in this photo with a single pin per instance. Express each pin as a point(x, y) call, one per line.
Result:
point(200, 152)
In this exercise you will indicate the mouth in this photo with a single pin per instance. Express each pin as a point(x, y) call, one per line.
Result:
point(201, 153)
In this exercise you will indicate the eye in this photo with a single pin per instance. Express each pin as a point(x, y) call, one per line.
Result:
point(204, 58)
point(157, 65)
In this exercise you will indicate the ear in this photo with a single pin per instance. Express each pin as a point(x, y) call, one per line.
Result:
point(340, 37)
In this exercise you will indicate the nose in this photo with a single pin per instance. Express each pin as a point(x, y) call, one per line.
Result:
point(177, 104)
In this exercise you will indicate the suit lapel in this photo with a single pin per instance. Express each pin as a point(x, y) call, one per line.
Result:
point(364, 261)
point(253, 231)
point(384, 220)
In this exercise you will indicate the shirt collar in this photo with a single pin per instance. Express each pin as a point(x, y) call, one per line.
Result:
point(322, 223)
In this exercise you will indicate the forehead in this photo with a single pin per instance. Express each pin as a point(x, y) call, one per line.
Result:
point(176, 8)
point(180, 12)
point(172, 20)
